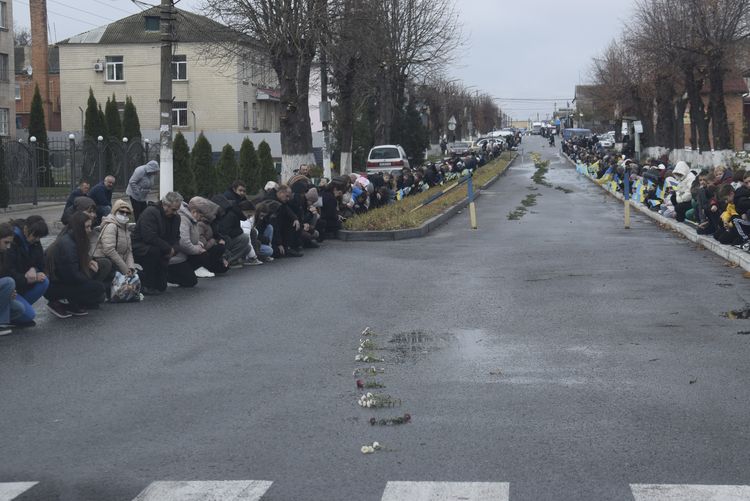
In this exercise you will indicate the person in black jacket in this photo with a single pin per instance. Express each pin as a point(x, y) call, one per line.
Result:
point(154, 238)
point(330, 219)
point(286, 235)
point(237, 243)
point(24, 262)
point(81, 191)
point(74, 276)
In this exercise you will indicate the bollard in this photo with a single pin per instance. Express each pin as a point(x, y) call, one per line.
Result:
point(627, 199)
point(472, 207)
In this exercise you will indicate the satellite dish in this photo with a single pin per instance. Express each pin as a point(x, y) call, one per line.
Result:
point(28, 70)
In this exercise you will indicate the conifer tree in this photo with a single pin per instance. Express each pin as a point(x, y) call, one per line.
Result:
point(226, 169)
point(249, 170)
point(203, 172)
point(92, 127)
point(39, 131)
point(131, 126)
point(267, 167)
point(112, 115)
point(102, 123)
point(184, 181)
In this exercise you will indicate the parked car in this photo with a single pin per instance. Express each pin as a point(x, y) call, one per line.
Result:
point(387, 158)
point(459, 148)
point(607, 141)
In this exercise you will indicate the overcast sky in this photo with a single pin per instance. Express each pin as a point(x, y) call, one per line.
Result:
point(515, 49)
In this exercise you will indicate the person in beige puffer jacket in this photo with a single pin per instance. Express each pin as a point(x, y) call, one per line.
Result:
point(113, 242)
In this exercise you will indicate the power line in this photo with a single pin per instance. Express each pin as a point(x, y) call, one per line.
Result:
point(80, 10)
point(533, 99)
point(63, 15)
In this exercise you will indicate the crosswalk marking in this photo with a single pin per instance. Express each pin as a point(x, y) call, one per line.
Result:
point(10, 490)
point(228, 490)
point(446, 491)
point(679, 492)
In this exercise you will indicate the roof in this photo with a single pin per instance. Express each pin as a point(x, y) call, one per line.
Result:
point(190, 27)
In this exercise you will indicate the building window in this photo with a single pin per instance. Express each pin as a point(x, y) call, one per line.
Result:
point(179, 67)
point(152, 23)
point(18, 92)
point(3, 15)
point(245, 116)
point(115, 69)
point(4, 117)
point(179, 114)
point(4, 67)
point(255, 116)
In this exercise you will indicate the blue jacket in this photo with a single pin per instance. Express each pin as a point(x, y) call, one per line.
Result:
point(101, 195)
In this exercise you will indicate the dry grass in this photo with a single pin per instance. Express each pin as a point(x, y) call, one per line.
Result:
point(398, 216)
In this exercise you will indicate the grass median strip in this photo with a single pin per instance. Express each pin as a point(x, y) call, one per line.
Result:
point(398, 215)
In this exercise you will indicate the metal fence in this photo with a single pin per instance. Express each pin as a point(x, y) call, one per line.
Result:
point(50, 172)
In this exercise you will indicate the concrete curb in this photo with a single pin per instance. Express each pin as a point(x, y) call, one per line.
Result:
point(727, 252)
point(426, 227)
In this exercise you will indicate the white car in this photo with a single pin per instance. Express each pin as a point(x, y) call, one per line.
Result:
point(387, 158)
point(607, 141)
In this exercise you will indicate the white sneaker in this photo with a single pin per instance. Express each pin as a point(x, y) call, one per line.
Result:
point(204, 273)
point(5, 332)
point(252, 262)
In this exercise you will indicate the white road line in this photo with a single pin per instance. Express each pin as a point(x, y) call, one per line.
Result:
point(228, 490)
point(685, 492)
point(446, 491)
point(10, 490)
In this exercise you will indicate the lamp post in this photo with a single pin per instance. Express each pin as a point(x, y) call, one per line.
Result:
point(100, 169)
point(72, 142)
point(34, 167)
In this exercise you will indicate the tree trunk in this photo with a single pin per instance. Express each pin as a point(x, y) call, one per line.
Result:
point(699, 124)
point(718, 109)
point(665, 123)
point(345, 82)
point(293, 71)
point(679, 119)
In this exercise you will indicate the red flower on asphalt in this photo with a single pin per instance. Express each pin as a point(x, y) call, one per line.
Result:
point(360, 384)
point(407, 417)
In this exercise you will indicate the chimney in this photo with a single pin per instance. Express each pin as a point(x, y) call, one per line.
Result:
point(39, 54)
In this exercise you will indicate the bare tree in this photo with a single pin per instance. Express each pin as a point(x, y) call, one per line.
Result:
point(416, 38)
point(288, 31)
point(21, 36)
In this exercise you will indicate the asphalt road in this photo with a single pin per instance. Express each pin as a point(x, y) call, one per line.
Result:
point(558, 353)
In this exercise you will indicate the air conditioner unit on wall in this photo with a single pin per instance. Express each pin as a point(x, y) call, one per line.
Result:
point(98, 66)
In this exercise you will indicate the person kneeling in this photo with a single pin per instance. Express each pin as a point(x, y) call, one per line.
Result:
point(74, 276)
point(155, 239)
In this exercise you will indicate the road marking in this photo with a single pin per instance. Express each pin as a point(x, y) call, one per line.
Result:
point(10, 490)
point(446, 491)
point(684, 492)
point(228, 490)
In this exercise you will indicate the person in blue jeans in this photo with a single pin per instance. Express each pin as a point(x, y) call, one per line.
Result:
point(10, 308)
point(24, 263)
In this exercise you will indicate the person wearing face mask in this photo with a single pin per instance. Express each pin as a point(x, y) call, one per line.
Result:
point(114, 243)
point(11, 310)
point(74, 276)
point(24, 262)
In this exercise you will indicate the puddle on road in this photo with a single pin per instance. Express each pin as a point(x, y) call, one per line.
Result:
point(413, 345)
point(742, 314)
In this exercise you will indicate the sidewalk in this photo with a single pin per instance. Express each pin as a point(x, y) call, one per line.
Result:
point(728, 252)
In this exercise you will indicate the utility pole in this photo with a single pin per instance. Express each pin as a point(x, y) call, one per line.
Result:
point(166, 179)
